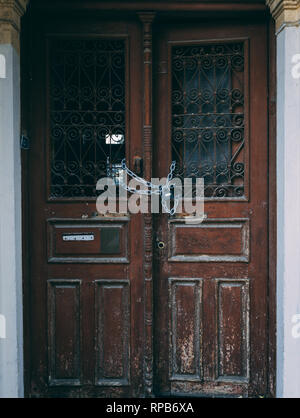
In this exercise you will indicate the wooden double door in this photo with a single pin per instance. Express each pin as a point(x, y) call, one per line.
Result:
point(133, 305)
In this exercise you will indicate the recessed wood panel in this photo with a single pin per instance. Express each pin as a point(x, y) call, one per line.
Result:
point(185, 303)
point(215, 240)
point(77, 241)
point(64, 333)
point(233, 329)
point(112, 333)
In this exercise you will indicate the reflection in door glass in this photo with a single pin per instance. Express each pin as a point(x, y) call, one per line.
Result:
point(208, 129)
point(87, 113)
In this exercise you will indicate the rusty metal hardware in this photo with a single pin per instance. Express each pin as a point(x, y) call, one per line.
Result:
point(161, 245)
point(138, 165)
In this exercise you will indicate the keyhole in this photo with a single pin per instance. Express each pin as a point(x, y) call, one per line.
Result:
point(161, 245)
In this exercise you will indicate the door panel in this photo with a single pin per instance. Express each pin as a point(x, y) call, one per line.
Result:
point(211, 279)
point(186, 303)
point(64, 344)
point(86, 288)
point(112, 332)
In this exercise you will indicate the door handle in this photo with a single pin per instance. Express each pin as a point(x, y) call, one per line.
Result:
point(138, 166)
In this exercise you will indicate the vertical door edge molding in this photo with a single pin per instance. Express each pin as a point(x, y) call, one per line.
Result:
point(147, 19)
point(272, 314)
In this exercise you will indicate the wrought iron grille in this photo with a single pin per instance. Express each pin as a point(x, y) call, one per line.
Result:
point(87, 113)
point(208, 121)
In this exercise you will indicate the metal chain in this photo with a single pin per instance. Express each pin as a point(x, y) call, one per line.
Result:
point(163, 191)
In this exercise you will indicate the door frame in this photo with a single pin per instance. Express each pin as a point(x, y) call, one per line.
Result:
point(272, 261)
point(132, 9)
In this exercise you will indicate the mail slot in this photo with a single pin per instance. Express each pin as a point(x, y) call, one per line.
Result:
point(85, 241)
point(97, 242)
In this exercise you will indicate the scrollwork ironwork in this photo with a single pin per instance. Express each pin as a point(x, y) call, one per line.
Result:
point(87, 113)
point(208, 120)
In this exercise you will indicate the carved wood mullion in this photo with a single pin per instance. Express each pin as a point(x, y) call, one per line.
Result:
point(147, 19)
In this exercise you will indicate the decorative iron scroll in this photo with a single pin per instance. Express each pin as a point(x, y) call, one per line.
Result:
point(87, 113)
point(208, 121)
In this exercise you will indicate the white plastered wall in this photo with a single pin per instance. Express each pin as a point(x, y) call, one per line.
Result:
point(288, 223)
point(11, 340)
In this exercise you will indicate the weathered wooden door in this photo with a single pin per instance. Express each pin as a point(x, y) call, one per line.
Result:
point(90, 289)
point(210, 280)
point(86, 281)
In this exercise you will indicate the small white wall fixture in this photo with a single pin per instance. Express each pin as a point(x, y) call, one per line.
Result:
point(2, 327)
point(2, 66)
